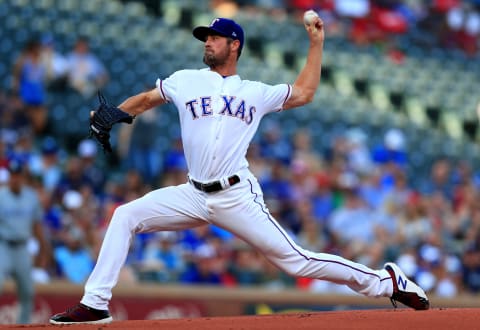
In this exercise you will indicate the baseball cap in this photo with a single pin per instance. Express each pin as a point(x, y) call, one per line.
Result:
point(222, 26)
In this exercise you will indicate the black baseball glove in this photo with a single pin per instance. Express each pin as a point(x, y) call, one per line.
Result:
point(102, 120)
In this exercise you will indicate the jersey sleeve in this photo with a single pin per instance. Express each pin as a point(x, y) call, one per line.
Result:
point(168, 87)
point(274, 97)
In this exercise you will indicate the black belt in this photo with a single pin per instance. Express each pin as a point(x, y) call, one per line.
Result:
point(215, 185)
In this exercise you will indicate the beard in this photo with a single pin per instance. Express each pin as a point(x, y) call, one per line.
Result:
point(215, 60)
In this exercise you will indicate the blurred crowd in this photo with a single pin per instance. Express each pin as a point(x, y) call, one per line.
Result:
point(354, 199)
point(448, 24)
point(40, 67)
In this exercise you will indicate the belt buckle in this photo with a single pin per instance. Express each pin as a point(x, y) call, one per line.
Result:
point(215, 185)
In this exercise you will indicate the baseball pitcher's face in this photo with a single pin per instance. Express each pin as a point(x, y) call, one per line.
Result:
point(217, 51)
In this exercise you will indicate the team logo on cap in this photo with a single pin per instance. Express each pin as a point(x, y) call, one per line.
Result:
point(214, 21)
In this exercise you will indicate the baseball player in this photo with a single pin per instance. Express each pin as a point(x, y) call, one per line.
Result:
point(20, 220)
point(219, 114)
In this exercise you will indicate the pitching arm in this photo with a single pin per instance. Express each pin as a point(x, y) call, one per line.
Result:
point(142, 102)
point(309, 77)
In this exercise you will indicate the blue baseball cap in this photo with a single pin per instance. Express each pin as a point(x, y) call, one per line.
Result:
point(221, 26)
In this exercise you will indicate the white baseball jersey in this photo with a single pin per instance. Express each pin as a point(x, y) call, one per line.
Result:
point(219, 117)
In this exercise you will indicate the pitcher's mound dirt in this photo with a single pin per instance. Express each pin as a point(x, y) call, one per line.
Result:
point(443, 318)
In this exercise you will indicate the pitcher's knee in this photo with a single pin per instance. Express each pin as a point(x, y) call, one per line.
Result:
point(123, 216)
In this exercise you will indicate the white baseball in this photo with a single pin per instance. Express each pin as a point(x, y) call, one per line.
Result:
point(309, 16)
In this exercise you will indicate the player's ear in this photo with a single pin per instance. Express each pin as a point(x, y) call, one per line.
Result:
point(235, 43)
point(236, 47)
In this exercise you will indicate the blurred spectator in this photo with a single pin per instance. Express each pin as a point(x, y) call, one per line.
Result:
point(23, 148)
point(352, 8)
point(441, 180)
point(358, 155)
point(86, 73)
point(72, 178)
point(372, 189)
point(175, 165)
point(138, 146)
point(277, 185)
point(55, 64)
point(86, 217)
point(256, 163)
point(463, 24)
point(162, 259)
point(364, 29)
point(246, 265)
point(52, 218)
point(414, 226)
point(461, 224)
point(311, 233)
point(73, 259)
point(74, 253)
point(391, 156)
point(352, 224)
point(449, 277)
point(273, 144)
point(440, 213)
point(47, 164)
point(397, 196)
point(92, 172)
point(224, 8)
point(134, 185)
point(207, 266)
point(303, 5)
point(13, 119)
point(394, 148)
point(302, 180)
point(304, 151)
point(29, 83)
point(191, 239)
point(471, 265)
point(323, 198)
point(20, 223)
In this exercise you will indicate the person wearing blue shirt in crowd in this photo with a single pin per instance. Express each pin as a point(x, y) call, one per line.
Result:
point(29, 84)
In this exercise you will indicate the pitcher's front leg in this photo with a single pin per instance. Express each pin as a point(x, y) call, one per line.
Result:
point(162, 209)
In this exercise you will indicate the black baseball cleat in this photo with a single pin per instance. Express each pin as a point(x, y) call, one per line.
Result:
point(406, 291)
point(82, 314)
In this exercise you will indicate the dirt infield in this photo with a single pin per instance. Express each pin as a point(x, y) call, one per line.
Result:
point(440, 318)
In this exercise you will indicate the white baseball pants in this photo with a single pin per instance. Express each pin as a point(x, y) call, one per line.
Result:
point(239, 209)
